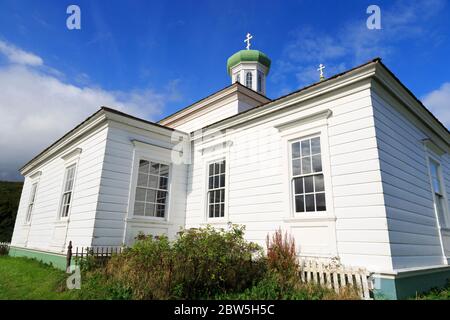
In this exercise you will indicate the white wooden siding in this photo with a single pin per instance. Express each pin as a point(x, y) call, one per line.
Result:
point(413, 233)
point(113, 202)
point(46, 232)
point(256, 194)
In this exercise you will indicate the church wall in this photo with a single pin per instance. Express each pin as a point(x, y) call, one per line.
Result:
point(354, 227)
point(113, 204)
point(46, 231)
point(413, 231)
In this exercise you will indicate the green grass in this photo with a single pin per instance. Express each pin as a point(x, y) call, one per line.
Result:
point(26, 279)
point(436, 294)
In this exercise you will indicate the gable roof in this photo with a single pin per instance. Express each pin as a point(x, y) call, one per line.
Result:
point(375, 61)
point(92, 118)
point(237, 85)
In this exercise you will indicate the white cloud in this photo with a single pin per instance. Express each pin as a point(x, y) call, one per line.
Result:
point(352, 43)
point(19, 56)
point(438, 101)
point(37, 107)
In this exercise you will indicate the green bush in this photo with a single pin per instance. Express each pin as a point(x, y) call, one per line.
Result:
point(4, 250)
point(201, 263)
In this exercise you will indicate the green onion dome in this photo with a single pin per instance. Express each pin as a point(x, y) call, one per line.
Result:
point(248, 55)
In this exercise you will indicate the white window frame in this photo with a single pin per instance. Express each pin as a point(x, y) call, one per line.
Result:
point(31, 201)
point(68, 166)
point(224, 188)
point(140, 158)
point(446, 223)
point(311, 174)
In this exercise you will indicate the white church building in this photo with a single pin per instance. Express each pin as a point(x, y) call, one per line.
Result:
point(353, 166)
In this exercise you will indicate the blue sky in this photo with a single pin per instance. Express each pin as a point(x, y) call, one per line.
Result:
point(152, 58)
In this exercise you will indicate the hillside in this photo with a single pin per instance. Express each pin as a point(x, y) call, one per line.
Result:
point(9, 201)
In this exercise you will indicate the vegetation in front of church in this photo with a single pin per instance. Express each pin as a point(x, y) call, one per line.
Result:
point(203, 263)
point(9, 202)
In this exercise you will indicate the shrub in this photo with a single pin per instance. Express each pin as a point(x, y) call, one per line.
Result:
point(201, 263)
point(4, 250)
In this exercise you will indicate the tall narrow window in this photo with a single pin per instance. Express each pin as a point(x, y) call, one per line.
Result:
point(248, 80)
point(67, 191)
point(238, 78)
point(216, 189)
point(307, 176)
point(31, 202)
point(259, 83)
point(151, 189)
point(438, 194)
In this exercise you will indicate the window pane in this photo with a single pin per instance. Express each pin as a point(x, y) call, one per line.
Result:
point(309, 202)
point(151, 196)
point(211, 197)
point(211, 183)
point(317, 163)
point(211, 211)
point(320, 202)
point(216, 168)
point(164, 170)
point(306, 165)
point(309, 187)
point(142, 180)
point(216, 210)
point(300, 203)
point(161, 197)
point(160, 210)
point(305, 148)
point(296, 150)
point(139, 209)
point(216, 182)
point(296, 167)
point(222, 195)
point(222, 210)
point(163, 183)
point(298, 185)
point(140, 194)
point(222, 167)
point(222, 181)
point(436, 185)
point(152, 181)
point(211, 169)
point(149, 209)
point(433, 169)
point(154, 168)
point(315, 145)
point(318, 182)
point(143, 166)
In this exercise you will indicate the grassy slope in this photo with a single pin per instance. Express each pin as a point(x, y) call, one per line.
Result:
point(26, 279)
point(9, 201)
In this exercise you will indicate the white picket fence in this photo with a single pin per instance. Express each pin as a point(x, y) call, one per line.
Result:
point(336, 276)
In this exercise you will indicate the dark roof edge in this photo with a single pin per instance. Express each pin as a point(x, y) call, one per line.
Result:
point(81, 124)
point(413, 95)
point(296, 91)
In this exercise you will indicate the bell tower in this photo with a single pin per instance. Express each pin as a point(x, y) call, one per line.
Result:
point(249, 67)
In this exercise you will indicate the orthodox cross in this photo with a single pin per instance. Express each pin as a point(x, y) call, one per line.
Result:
point(321, 67)
point(249, 36)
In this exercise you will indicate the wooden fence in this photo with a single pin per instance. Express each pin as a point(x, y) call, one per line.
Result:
point(336, 276)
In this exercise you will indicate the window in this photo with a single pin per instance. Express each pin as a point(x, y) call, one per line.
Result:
point(67, 191)
point(216, 189)
point(307, 176)
point(151, 189)
point(439, 203)
point(259, 83)
point(238, 78)
point(31, 202)
point(248, 80)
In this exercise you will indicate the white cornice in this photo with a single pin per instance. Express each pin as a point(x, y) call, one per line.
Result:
point(205, 104)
